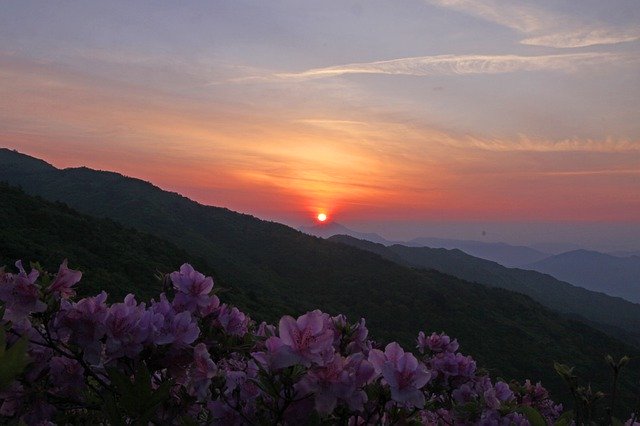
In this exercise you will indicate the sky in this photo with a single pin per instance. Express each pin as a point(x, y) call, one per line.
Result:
point(406, 117)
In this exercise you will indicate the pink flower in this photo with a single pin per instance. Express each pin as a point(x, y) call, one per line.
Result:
point(232, 321)
point(65, 279)
point(350, 338)
point(437, 343)
point(193, 289)
point(67, 376)
point(202, 371)
point(127, 326)
point(21, 295)
point(276, 355)
point(494, 396)
point(342, 378)
point(184, 329)
point(309, 337)
point(402, 371)
point(82, 324)
point(171, 328)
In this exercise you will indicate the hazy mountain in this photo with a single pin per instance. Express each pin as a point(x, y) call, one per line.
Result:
point(504, 254)
point(284, 271)
point(624, 253)
point(553, 248)
point(617, 276)
point(326, 230)
point(611, 314)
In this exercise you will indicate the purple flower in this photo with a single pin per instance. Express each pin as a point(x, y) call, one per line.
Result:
point(449, 366)
point(349, 338)
point(342, 378)
point(436, 343)
point(265, 330)
point(82, 324)
point(232, 321)
point(402, 371)
point(65, 279)
point(276, 355)
point(21, 295)
point(67, 376)
point(127, 326)
point(193, 289)
point(463, 394)
point(170, 327)
point(202, 371)
point(184, 329)
point(309, 337)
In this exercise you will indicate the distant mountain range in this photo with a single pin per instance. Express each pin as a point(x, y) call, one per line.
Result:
point(505, 254)
point(610, 314)
point(326, 230)
point(624, 253)
point(617, 276)
point(278, 270)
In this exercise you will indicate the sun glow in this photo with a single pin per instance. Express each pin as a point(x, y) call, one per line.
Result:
point(322, 217)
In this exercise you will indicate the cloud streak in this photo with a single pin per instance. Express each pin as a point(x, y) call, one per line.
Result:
point(541, 27)
point(456, 65)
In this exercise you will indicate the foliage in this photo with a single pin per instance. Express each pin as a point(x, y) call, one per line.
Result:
point(186, 358)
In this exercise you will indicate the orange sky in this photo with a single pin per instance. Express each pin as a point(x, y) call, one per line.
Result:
point(523, 133)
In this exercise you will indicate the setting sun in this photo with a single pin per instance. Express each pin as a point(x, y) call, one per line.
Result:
point(322, 217)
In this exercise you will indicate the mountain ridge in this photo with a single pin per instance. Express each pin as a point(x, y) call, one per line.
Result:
point(285, 271)
point(617, 276)
point(603, 311)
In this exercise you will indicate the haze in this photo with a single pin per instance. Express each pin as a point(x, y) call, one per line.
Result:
point(407, 118)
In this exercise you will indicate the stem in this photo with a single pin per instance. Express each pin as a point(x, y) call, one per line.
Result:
point(616, 372)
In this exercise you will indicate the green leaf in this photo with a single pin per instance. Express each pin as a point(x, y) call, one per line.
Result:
point(12, 360)
point(137, 399)
point(112, 411)
point(534, 417)
point(616, 422)
point(3, 341)
point(565, 419)
point(623, 361)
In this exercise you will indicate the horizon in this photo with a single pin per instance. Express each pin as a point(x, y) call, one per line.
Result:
point(430, 118)
point(547, 237)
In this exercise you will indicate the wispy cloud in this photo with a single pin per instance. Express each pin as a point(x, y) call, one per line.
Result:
point(542, 27)
point(456, 65)
point(528, 144)
point(583, 38)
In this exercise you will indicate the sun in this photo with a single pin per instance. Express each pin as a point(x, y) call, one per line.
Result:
point(322, 217)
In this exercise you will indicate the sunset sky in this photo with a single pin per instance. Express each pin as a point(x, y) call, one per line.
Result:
point(394, 116)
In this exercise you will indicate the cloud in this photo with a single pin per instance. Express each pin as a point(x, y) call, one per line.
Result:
point(542, 27)
point(518, 17)
point(457, 65)
point(583, 38)
point(527, 144)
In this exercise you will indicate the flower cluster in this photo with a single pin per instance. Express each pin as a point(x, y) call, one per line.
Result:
point(187, 357)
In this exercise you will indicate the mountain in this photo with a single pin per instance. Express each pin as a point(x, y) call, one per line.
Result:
point(553, 248)
point(326, 230)
point(610, 314)
point(617, 276)
point(624, 253)
point(283, 271)
point(105, 251)
point(505, 254)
